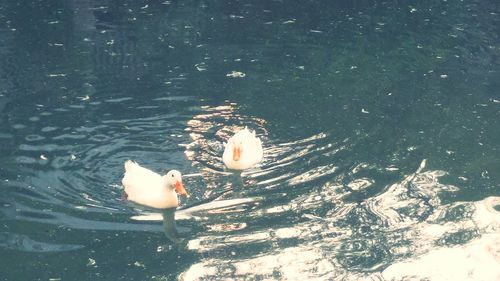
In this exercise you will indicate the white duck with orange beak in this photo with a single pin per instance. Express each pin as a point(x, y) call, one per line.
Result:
point(242, 151)
point(148, 188)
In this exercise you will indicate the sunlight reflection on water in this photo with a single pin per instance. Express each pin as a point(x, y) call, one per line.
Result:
point(326, 247)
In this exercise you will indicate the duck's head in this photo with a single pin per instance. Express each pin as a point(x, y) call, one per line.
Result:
point(237, 149)
point(173, 180)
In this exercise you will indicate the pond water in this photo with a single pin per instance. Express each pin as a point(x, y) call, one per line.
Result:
point(379, 121)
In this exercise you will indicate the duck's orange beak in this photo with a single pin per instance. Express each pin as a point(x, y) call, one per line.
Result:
point(180, 189)
point(236, 153)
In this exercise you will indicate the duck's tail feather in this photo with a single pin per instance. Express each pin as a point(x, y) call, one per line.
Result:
point(129, 164)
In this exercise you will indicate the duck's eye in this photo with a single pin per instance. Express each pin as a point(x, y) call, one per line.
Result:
point(172, 175)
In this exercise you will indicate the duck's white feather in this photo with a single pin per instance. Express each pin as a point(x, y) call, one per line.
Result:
point(251, 150)
point(148, 188)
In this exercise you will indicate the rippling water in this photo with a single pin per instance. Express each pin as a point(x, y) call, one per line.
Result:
point(379, 122)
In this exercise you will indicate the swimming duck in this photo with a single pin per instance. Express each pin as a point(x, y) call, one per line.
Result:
point(242, 151)
point(148, 188)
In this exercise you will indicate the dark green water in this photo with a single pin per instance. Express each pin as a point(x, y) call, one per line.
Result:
point(379, 119)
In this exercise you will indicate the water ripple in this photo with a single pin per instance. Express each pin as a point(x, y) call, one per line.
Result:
point(24, 243)
point(353, 240)
point(74, 168)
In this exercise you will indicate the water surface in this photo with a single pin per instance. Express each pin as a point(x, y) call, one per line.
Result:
point(379, 122)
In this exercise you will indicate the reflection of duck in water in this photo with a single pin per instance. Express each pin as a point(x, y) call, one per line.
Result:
point(242, 151)
point(148, 188)
point(169, 226)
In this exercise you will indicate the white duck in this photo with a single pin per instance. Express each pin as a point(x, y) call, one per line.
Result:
point(242, 151)
point(148, 188)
